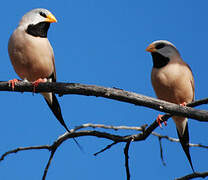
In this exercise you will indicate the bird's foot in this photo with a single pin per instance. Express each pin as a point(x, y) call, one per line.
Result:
point(183, 104)
point(35, 83)
point(159, 120)
point(12, 83)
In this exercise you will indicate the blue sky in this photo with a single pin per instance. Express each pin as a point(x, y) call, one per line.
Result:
point(103, 43)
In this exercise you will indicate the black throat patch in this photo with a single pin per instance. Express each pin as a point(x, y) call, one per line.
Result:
point(38, 30)
point(159, 60)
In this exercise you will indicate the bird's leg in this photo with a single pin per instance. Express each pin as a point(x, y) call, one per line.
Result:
point(183, 104)
point(159, 120)
point(12, 83)
point(35, 83)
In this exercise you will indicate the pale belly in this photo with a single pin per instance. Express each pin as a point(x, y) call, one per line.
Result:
point(33, 69)
point(31, 59)
point(175, 88)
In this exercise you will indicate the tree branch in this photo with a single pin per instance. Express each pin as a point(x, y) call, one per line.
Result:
point(193, 175)
point(106, 148)
point(126, 153)
point(24, 149)
point(161, 151)
point(115, 138)
point(49, 162)
point(115, 94)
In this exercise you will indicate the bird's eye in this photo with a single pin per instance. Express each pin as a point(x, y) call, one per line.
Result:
point(160, 45)
point(42, 14)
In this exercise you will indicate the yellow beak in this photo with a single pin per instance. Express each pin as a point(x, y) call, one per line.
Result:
point(151, 48)
point(51, 18)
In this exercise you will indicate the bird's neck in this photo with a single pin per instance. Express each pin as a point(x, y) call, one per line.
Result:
point(159, 60)
point(38, 30)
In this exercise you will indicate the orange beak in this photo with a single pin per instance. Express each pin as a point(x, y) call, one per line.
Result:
point(51, 18)
point(151, 48)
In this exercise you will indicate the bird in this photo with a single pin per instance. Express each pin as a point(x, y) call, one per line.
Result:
point(32, 55)
point(172, 80)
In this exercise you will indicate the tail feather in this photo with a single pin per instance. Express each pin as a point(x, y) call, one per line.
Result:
point(55, 108)
point(184, 140)
point(53, 103)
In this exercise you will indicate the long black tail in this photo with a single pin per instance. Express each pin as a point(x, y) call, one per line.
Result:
point(184, 140)
point(56, 109)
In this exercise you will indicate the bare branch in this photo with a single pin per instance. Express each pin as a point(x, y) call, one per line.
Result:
point(161, 151)
point(106, 148)
point(136, 128)
point(119, 95)
point(115, 138)
point(193, 175)
point(110, 127)
point(177, 140)
point(24, 149)
point(126, 153)
point(49, 163)
point(115, 94)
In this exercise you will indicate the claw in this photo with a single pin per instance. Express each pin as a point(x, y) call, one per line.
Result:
point(183, 104)
point(12, 83)
point(35, 83)
point(159, 120)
